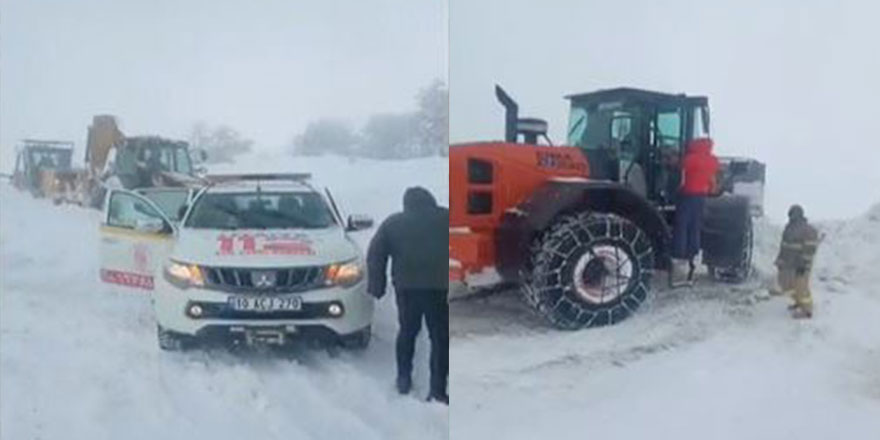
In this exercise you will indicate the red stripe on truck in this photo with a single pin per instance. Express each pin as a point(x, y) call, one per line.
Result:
point(129, 279)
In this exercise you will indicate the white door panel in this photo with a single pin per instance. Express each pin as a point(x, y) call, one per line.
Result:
point(136, 238)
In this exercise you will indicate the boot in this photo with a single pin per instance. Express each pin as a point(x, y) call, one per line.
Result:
point(801, 313)
point(439, 397)
point(677, 274)
point(691, 269)
point(404, 384)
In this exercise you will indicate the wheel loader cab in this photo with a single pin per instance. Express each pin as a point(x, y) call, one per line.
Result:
point(141, 158)
point(637, 137)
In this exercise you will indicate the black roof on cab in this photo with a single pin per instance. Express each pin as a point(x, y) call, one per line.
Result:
point(633, 94)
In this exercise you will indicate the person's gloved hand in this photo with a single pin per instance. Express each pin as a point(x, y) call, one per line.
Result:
point(800, 271)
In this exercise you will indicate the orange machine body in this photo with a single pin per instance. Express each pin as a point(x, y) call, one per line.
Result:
point(491, 178)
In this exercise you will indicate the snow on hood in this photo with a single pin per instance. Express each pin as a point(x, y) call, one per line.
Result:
point(264, 248)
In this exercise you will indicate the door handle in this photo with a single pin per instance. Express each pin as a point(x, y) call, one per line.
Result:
point(109, 240)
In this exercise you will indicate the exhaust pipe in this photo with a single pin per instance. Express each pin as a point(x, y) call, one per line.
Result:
point(530, 128)
point(511, 113)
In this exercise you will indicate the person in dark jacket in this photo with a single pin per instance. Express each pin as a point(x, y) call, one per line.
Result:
point(417, 242)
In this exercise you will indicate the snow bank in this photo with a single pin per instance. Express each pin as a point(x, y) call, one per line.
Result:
point(79, 362)
point(716, 361)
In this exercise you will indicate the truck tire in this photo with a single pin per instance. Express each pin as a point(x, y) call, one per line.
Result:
point(728, 239)
point(172, 341)
point(589, 270)
point(742, 269)
point(357, 341)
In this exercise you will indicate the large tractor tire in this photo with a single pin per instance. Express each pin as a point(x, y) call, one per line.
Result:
point(728, 239)
point(590, 270)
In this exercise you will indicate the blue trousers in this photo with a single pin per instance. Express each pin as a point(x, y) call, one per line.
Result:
point(686, 231)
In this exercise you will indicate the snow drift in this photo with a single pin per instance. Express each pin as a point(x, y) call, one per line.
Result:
point(77, 362)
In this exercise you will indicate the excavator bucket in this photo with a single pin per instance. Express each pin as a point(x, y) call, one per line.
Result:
point(103, 134)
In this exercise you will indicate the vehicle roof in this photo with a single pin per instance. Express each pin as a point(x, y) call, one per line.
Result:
point(43, 144)
point(632, 94)
point(150, 141)
point(47, 148)
point(251, 186)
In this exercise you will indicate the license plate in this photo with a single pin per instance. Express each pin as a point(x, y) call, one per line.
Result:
point(265, 303)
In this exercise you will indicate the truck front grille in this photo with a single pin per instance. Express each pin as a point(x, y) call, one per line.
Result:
point(269, 280)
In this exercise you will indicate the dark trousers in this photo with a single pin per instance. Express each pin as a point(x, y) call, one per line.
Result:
point(412, 306)
point(688, 222)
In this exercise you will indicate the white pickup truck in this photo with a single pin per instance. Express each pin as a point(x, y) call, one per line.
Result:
point(252, 259)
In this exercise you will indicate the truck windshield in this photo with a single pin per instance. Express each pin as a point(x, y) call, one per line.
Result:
point(606, 126)
point(160, 157)
point(289, 210)
point(170, 201)
point(50, 158)
point(182, 161)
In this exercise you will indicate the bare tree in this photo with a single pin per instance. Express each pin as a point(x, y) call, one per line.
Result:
point(222, 143)
point(390, 136)
point(432, 119)
point(417, 133)
point(326, 136)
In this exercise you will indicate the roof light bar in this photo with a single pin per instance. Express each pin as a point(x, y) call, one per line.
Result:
point(223, 178)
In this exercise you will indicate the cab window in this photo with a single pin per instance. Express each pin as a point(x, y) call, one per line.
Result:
point(127, 211)
point(169, 201)
point(669, 129)
point(182, 161)
point(623, 136)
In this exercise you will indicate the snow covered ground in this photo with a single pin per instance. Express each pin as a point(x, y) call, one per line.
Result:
point(78, 362)
point(712, 362)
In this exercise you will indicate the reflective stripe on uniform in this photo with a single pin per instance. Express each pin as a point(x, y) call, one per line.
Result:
point(792, 245)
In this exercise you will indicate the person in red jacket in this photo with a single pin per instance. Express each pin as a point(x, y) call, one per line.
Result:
point(698, 168)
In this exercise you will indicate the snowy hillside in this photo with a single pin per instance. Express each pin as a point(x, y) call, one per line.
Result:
point(77, 362)
point(712, 362)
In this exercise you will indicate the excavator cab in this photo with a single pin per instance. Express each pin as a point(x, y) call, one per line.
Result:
point(143, 161)
point(637, 137)
point(43, 167)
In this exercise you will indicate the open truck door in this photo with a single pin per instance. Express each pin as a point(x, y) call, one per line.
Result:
point(136, 237)
point(172, 201)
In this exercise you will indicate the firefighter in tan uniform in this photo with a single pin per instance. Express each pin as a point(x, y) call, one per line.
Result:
point(795, 260)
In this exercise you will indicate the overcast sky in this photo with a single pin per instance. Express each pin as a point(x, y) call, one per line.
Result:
point(793, 83)
point(265, 67)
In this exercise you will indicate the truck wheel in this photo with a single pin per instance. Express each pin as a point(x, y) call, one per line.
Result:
point(742, 268)
point(172, 341)
point(357, 341)
point(590, 270)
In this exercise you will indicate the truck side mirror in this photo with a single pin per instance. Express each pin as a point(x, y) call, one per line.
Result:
point(359, 223)
point(150, 225)
point(199, 155)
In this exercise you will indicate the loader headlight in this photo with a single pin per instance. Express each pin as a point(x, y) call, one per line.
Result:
point(184, 275)
point(344, 274)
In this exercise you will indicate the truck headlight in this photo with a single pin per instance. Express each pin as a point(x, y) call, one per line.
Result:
point(184, 275)
point(344, 274)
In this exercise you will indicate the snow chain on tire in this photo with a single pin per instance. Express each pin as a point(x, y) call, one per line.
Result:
point(551, 286)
